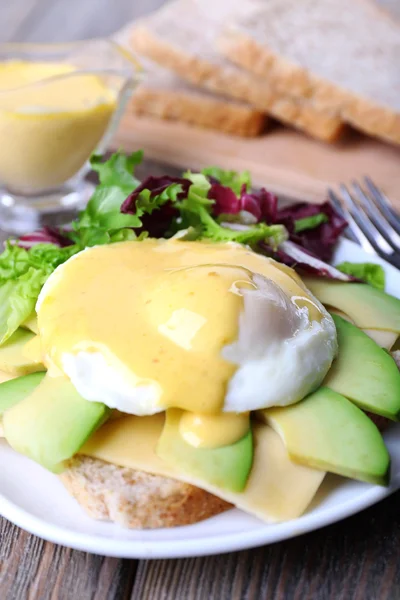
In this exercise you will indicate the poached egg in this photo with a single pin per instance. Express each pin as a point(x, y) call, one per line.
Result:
point(209, 328)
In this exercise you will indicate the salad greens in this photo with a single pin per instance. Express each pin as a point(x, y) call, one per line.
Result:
point(102, 221)
point(309, 222)
point(214, 204)
point(369, 272)
point(232, 179)
point(22, 275)
point(196, 212)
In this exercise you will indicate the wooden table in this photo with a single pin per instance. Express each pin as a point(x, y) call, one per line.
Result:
point(357, 559)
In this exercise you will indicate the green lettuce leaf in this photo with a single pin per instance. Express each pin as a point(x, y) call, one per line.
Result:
point(310, 222)
point(231, 179)
point(195, 213)
point(368, 272)
point(118, 168)
point(102, 217)
point(22, 275)
point(146, 204)
point(17, 301)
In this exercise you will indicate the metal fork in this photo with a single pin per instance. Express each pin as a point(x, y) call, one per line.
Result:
point(372, 221)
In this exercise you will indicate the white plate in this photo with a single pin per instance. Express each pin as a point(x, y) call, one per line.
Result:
point(34, 499)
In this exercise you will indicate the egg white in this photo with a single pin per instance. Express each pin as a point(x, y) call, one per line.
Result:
point(101, 377)
point(281, 354)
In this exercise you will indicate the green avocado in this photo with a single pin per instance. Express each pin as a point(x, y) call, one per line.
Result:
point(367, 307)
point(364, 372)
point(12, 358)
point(52, 422)
point(326, 431)
point(15, 390)
point(227, 467)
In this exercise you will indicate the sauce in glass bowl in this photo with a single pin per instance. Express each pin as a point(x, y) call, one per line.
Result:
point(59, 104)
point(52, 118)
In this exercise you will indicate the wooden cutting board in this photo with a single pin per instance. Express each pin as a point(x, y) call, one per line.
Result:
point(283, 160)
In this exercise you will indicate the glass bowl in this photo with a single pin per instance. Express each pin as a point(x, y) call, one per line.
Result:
point(59, 103)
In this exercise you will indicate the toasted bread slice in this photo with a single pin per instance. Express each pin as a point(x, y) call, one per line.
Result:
point(343, 56)
point(136, 499)
point(166, 96)
point(173, 39)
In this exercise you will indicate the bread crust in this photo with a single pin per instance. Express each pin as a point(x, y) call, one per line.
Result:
point(295, 80)
point(198, 109)
point(135, 499)
point(236, 83)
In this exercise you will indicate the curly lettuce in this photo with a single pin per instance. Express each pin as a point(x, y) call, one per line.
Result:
point(22, 275)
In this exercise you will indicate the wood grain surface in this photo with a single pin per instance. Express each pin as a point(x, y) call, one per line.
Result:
point(357, 559)
point(284, 160)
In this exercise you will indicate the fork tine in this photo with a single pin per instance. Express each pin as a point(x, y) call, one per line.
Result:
point(352, 230)
point(383, 204)
point(357, 234)
point(384, 227)
point(368, 229)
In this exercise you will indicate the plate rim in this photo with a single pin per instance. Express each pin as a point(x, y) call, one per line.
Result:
point(168, 549)
point(191, 547)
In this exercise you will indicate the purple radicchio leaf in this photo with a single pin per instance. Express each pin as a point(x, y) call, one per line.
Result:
point(261, 204)
point(157, 222)
point(46, 235)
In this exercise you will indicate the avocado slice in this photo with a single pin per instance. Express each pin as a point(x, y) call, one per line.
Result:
point(13, 360)
point(384, 339)
point(227, 467)
point(52, 422)
point(367, 307)
point(364, 372)
point(15, 390)
point(326, 431)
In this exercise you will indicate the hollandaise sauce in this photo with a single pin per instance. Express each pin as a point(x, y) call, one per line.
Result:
point(159, 314)
point(52, 117)
point(212, 431)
